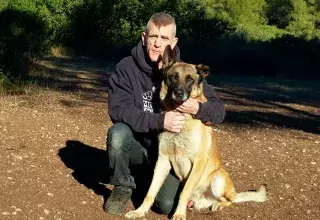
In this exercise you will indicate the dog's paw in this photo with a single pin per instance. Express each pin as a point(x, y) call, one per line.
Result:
point(216, 206)
point(220, 205)
point(178, 217)
point(135, 214)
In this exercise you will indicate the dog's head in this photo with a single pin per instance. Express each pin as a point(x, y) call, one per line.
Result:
point(181, 80)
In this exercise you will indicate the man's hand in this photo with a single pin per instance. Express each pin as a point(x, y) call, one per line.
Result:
point(190, 106)
point(173, 121)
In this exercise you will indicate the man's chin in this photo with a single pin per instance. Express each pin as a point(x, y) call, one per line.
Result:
point(154, 57)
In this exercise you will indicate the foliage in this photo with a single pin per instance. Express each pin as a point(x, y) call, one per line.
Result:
point(304, 19)
point(279, 12)
point(21, 37)
point(242, 30)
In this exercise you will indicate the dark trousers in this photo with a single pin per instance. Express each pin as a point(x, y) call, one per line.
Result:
point(132, 159)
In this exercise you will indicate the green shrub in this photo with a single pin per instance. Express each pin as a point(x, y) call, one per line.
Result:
point(221, 31)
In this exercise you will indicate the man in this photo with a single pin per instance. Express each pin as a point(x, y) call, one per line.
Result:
point(134, 107)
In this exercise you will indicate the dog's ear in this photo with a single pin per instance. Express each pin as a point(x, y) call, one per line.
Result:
point(203, 71)
point(168, 58)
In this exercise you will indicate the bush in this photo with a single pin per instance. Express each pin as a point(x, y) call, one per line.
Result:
point(22, 38)
point(245, 33)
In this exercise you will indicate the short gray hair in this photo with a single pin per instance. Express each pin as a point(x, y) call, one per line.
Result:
point(162, 19)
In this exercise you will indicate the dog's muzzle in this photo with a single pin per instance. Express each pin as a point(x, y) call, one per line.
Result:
point(180, 95)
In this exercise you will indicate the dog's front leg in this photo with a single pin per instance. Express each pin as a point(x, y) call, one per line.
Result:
point(161, 171)
point(192, 181)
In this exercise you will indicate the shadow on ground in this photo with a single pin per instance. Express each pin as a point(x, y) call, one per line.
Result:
point(271, 101)
point(74, 74)
point(89, 165)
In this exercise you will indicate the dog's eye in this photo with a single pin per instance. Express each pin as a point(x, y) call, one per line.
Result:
point(174, 77)
point(189, 79)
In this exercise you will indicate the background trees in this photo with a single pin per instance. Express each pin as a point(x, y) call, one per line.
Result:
point(234, 36)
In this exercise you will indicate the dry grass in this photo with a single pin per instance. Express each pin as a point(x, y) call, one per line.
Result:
point(60, 51)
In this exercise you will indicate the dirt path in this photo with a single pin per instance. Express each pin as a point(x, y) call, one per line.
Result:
point(52, 146)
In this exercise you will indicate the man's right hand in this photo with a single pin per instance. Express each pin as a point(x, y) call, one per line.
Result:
point(173, 121)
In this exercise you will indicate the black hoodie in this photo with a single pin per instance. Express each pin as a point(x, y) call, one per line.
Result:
point(134, 94)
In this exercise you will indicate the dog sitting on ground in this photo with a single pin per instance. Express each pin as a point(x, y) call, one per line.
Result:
point(192, 153)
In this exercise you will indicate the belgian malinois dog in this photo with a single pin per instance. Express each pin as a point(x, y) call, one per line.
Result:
point(192, 153)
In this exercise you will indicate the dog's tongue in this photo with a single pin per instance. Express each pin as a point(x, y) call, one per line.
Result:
point(190, 204)
point(177, 103)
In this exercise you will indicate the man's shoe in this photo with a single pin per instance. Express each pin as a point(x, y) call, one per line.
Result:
point(118, 200)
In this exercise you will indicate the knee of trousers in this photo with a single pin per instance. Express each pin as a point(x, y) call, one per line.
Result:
point(164, 206)
point(119, 137)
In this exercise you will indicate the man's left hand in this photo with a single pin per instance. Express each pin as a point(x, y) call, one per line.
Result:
point(190, 106)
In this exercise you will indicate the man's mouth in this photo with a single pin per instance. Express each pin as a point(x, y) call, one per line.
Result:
point(156, 52)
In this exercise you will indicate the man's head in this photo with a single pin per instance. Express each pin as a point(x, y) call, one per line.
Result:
point(160, 32)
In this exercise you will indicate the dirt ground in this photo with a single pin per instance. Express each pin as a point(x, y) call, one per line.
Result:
point(52, 145)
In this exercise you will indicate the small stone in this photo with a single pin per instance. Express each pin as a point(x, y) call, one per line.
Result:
point(287, 186)
point(5, 213)
point(50, 194)
point(18, 157)
point(46, 211)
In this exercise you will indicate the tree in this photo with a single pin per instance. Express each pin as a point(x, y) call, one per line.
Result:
point(245, 18)
point(279, 12)
point(304, 19)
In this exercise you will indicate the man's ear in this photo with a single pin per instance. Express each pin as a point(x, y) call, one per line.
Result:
point(174, 42)
point(169, 57)
point(143, 38)
point(203, 71)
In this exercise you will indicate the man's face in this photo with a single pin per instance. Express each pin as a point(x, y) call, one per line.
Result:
point(156, 40)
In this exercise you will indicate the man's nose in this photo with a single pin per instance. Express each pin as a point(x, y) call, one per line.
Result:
point(158, 42)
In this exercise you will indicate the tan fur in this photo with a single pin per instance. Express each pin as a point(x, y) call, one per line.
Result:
point(193, 154)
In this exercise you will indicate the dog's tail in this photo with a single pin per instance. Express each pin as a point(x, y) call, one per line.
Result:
point(252, 196)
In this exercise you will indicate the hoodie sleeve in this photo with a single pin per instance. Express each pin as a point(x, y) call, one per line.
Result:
point(121, 105)
point(213, 110)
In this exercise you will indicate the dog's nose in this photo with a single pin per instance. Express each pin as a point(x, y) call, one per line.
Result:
point(179, 92)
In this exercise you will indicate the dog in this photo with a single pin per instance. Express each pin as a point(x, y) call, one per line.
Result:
point(192, 153)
